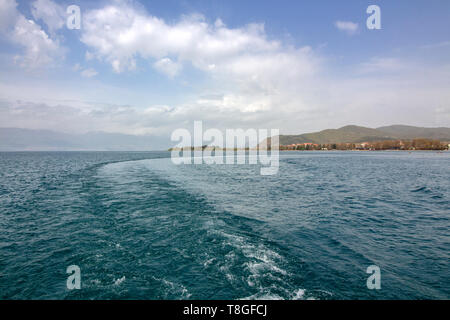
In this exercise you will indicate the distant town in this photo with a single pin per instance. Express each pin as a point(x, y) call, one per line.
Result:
point(415, 144)
point(408, 145)
point(395, 137)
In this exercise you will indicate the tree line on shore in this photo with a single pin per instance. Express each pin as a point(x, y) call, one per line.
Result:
point(414, 144)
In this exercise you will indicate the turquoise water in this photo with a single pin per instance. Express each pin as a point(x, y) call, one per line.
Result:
point(140, 227)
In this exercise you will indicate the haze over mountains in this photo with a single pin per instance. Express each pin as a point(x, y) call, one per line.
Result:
point(15, 139)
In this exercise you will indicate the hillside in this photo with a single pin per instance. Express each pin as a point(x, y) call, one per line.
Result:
point(409, 132)
point(15, 139)
point(356, 134)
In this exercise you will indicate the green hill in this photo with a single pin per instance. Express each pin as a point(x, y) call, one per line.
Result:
point(357, 134)
point(409, 132)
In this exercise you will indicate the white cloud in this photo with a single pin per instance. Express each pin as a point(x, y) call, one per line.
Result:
point(88, 56)
point(254, 72)
point(50, 13)
point(349, 27)
point(167, 67)
point(76, 67)
point(8, 15)
point(418, 97)
point(39, 49)
point(85, 72)
point(135, 33)
point(89, 73)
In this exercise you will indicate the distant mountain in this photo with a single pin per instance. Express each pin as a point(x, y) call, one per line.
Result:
point(15, 139)
point(356, 134)
point(409, 132)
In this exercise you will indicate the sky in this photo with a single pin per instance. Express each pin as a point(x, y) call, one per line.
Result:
point(150, 67)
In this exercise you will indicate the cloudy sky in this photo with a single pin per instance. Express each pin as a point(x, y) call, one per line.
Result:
point(148, 67)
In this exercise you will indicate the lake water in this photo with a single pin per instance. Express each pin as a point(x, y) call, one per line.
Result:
point(140, 227)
